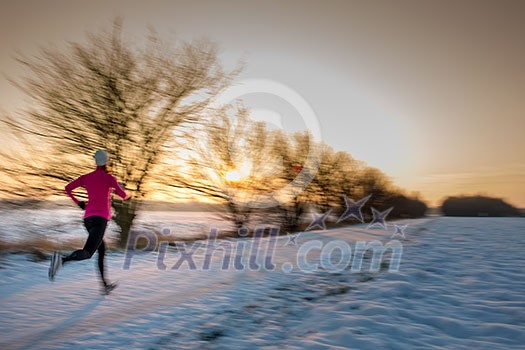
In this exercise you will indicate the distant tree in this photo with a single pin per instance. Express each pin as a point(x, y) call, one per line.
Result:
point(477, 206)
point(104, 94)
point(230, 160)
point(259, 174)
point(372, 181)
point(404, 207)
point(293, 150)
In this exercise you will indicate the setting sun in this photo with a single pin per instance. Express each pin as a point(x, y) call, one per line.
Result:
point(233, 175)
point(237, 174)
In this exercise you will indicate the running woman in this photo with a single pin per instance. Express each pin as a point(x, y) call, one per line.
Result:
point(99, 184)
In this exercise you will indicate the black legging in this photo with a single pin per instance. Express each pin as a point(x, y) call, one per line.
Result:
point(96, 226)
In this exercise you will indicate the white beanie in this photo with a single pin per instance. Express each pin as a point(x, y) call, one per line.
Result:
point(101, 157)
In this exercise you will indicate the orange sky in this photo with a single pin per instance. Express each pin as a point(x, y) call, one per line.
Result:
point(431, 92)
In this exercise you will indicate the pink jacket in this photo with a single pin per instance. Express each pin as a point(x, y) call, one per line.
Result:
point(99, 186)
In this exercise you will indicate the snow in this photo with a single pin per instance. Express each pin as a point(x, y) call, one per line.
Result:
point(66, 224)
point(459, 286)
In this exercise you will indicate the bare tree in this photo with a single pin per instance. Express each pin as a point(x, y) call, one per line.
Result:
point(106, 94)
point(230, 160)
point(264, 163)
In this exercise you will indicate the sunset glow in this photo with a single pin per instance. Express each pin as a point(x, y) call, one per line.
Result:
point(233, 175)
point(426, 91)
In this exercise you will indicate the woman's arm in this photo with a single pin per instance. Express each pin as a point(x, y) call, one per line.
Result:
point(72, 185)
point(119, 190)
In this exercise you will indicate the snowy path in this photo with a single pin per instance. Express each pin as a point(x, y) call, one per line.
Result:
point(460, 286)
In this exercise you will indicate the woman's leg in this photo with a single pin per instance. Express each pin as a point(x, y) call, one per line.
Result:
point(101, 267)
point(96, 226)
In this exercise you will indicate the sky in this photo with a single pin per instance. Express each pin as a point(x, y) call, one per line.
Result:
point(430, 92)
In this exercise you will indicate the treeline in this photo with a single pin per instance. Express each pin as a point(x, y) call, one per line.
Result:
point(477, 206)
point(281, 178)
point(341, 175)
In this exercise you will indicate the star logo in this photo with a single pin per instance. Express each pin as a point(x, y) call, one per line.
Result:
point(399, 231)
point(379, 218)
point(292, 239)
point(319, 220)
point(353, 209)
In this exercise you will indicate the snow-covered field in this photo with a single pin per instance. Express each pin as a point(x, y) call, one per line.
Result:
point(66, 224)
point(460, 285)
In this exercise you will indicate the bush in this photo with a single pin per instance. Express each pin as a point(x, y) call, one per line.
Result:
point(405, 207)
